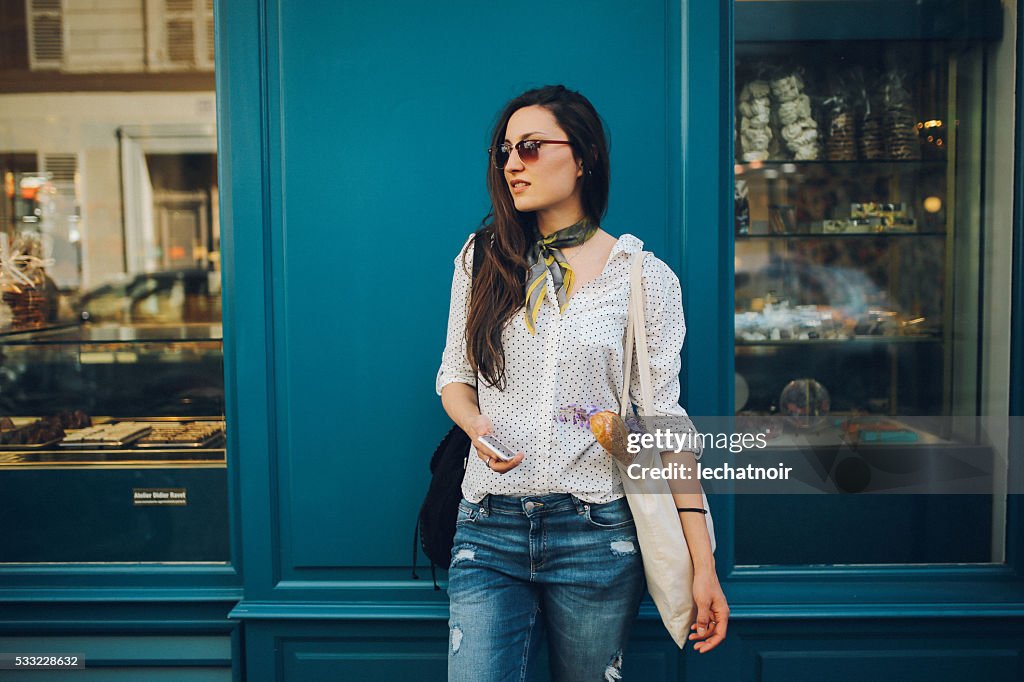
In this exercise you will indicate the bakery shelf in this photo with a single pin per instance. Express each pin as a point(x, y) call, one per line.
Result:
point(839, 235)
point(130, 458)
point(872, 163)
point(114, 334)
point(840, 342)
point(8, 333)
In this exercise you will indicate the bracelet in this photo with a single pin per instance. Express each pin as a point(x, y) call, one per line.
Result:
point(692, 509)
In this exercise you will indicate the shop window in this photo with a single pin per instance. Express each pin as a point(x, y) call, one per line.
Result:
point(112, 424)
point(871, 260)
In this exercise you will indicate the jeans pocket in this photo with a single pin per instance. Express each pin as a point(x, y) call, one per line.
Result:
point(467, 512)
point(614, 514)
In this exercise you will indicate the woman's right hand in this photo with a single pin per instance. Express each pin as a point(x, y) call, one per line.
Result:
point(480, 425)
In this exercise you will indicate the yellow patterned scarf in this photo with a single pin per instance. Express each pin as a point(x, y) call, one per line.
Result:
point(546, 256)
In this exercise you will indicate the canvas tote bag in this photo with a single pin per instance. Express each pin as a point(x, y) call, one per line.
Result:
point(666, 557)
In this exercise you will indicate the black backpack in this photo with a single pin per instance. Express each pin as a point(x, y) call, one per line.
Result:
point(435, 526)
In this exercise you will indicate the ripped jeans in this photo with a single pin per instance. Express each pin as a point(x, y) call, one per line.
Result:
point(575, 565)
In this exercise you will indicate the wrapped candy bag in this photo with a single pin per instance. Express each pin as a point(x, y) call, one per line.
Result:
point(841, 144)
point(902, 140)
point(793, 107)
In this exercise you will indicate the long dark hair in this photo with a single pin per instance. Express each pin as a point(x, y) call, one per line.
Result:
point(499, 286)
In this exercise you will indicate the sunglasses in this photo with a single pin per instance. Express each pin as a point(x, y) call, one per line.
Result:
point(528, 151)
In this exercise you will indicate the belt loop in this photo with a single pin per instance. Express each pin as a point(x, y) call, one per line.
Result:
point(579, 504)
point(485, 503)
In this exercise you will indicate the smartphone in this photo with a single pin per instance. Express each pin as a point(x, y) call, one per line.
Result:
point(497, 448)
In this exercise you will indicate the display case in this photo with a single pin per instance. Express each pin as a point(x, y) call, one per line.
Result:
point(863, 188)
point(112, 443)
point(847, 193)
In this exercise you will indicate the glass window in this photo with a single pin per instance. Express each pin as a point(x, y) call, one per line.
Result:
point(872, 226)
point(112, 427)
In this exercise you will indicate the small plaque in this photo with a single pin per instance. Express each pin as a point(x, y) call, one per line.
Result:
point(145, 497)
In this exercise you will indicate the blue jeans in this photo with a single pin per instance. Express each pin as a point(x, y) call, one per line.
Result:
point(575, 565)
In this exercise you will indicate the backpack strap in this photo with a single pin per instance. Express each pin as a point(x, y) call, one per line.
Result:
point(483, 236)
point(415, 545)
point(480, 244)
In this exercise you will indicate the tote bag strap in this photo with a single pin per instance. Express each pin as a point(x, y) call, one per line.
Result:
point(636, 342)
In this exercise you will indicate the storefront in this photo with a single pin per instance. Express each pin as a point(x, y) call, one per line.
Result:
point(837, 183)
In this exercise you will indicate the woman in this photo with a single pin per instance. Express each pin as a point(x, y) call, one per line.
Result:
point(546, 539)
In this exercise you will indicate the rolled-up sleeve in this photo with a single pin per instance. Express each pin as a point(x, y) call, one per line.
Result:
point(666, 330)
point(454, 363)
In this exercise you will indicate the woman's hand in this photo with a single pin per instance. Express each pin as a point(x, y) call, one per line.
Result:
point(712, 611)
point(480, 425)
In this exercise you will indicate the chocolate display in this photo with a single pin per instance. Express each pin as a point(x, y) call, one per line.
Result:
point(39, 432)
point(182, 434)
point(75, 430)
point(42, 432)
point(113, 435)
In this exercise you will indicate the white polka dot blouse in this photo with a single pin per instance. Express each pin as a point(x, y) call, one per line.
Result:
point(575, 358)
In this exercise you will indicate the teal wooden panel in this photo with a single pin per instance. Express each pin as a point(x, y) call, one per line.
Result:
point(124, 649)
point(369, 651)
point(242, 181)
point(707, 212)
point(756, 649)
point(320, 663)
point(304, 660)
point(844, 650)
point(906, 664)
point(89, 516)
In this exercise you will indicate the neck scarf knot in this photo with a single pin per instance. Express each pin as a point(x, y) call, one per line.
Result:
point(546, 256)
